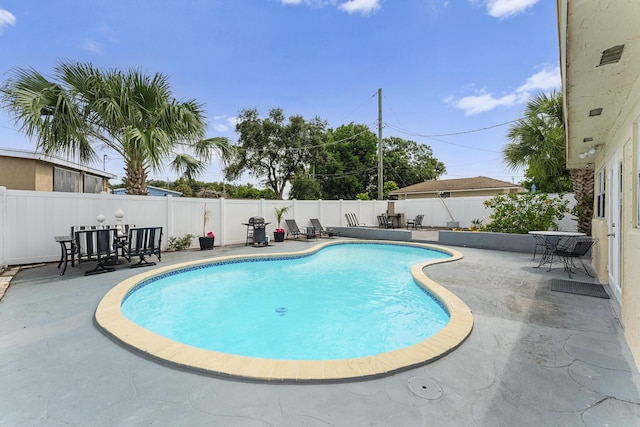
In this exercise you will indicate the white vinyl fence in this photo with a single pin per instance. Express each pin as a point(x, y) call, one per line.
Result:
point(30, 219)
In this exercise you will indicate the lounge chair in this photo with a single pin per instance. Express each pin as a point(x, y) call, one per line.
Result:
point(579, 249)
point(320, 231)
point(352, 220)
point(416, 222)
point(293, 228)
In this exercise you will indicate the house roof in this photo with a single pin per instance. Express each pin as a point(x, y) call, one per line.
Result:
point(459, 184)
point(24, 154)
point(152, 191)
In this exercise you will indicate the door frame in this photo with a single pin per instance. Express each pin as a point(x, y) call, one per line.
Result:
point(614, 223)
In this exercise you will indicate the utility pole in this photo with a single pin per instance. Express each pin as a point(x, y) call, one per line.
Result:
point(380, 177)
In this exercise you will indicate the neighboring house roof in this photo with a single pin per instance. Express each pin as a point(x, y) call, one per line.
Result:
point(152, 191)
point(23, 154)
point(460, 184)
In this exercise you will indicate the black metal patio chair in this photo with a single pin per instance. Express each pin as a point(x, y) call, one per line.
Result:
point(99, 245)
point(416, 222)
point(384, 222)
point(142, 242)
point(568, 255)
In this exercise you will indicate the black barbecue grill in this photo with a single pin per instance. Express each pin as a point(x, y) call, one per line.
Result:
point(256, 231)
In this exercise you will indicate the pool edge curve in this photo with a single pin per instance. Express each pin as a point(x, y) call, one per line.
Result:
point(110, 320)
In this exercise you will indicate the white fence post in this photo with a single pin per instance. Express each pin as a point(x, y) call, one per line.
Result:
point(169, 217)
point(222, 218)
point(3, 227)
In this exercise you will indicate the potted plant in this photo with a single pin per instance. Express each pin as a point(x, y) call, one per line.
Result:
point(278, 234)
point(206, 240)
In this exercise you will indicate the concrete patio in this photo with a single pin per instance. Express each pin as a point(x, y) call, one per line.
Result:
point(535, 357)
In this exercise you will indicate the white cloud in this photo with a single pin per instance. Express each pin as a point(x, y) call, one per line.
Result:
point(6, 19)
point(93, 46)
point(108, 34)
point(315, 3)
point(544, 80)
point(224, 123)
point(484, 102)
point(220, 127)
point(363, 7)
point(360, 6)
point(507, 8)
point(233, 121)
point(104, 37)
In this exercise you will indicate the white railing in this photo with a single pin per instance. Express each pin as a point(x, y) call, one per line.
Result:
point(30, 219)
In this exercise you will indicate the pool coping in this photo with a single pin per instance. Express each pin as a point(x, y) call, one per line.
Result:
point(109, 318)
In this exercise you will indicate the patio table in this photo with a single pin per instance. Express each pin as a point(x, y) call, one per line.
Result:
point(66, 249)
point(549, 240)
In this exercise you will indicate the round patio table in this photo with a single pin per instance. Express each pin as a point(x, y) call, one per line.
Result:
point(549, 240)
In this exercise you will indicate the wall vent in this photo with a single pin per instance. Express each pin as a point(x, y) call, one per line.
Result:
point(612, 55)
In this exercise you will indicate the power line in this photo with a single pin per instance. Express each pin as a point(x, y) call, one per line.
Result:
point(339, 175)
point(324, 144)
point(391, 107)
point(461, 132)
point(407, 132)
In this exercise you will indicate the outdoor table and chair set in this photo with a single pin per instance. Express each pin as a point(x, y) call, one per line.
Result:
point(564, 246)
point(105, 244)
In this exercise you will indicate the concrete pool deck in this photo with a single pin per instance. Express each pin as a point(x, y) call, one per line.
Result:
point(535, 357)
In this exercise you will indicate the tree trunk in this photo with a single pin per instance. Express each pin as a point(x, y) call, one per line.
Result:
point(583, 181)
point(136, 180)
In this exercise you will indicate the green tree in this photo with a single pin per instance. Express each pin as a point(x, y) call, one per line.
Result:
point(248, 191)
point(388, 187)
point(275, 149)
point(304, 187)
point(538, 145)
point(350, 163)
point(130, 112)
point(407, 162)
point(184, 188)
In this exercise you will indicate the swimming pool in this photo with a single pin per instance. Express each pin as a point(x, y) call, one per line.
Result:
point(256, 324)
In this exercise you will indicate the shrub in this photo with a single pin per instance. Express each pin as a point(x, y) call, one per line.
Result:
point(476, 225)
point(180, 243)
point(520, 213)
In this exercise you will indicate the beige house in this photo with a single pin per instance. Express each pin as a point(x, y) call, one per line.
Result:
point(25, 170)
point(462, 187)
point(600, 65)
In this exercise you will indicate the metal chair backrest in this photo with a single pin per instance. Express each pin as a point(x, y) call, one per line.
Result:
point(292, 226)
point(419, 219)
point(551, 241)
point(581, 247)
point(144, 241)
point(316, 224)
point(92, 244)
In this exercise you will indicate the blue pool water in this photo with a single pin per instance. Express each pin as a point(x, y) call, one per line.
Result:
point(345, 301)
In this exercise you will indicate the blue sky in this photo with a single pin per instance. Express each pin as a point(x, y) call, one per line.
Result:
point(445, 67)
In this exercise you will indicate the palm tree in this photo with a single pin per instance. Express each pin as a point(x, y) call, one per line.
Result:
point(130, 112)
point(538, 144)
